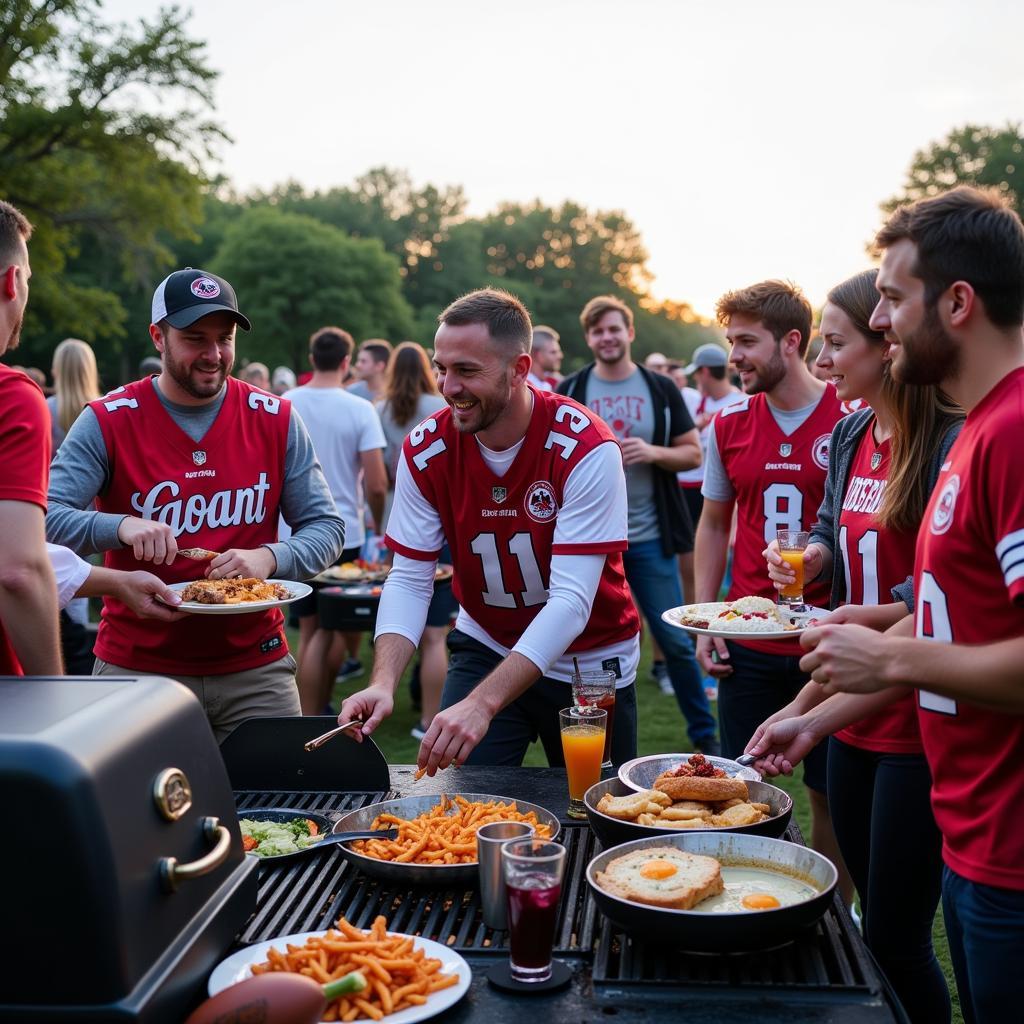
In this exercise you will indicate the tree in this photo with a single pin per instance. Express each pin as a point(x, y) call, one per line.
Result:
point(971, 155)
point(294, 275)
point(100, 146)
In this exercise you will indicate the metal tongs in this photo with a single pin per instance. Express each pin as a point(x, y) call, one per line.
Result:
point(319, 741)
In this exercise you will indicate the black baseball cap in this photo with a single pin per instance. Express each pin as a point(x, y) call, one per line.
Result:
point(187, 295)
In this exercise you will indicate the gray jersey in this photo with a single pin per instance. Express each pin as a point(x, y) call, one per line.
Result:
point(80, 471)
point(625, 405)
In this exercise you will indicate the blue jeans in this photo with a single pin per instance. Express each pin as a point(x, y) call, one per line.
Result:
point(654, 579)
point(985, 927)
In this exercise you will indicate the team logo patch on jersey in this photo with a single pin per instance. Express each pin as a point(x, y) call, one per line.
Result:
point(876, 461)
point(819, 451)
point(499, 494)
point(199, 458)
point(540, 502)
point(205, 288)
point(785, 450)
point(942, 516)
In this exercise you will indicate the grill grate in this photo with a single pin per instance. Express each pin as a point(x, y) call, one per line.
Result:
point(311, 893)
point(822, 959)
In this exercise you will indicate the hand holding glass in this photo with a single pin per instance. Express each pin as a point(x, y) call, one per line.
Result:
point(792, 545)
point(533, 878)
point(583, 731)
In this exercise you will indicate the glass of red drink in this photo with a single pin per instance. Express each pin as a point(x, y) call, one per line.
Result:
point(533, 879)
point(597, 690)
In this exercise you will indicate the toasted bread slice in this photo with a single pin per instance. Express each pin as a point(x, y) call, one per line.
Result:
point(662, 876)
point(695, 787)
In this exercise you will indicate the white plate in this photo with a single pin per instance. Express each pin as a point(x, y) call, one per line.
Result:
point(801, 620)
point(237, 967)
point(295, 591)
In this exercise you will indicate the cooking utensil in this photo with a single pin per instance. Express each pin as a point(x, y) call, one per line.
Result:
point(282, 815)
point(745, 760)
point(722, 931)
point(443, 875)
point(199, 554)
point(641, 772)
point(320, 740)
point(612, 831)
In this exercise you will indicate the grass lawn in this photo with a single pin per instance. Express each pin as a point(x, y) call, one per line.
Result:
point(660, 728)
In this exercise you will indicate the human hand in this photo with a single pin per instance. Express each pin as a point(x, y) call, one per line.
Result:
point(370, 706)
point(781, 744)
point(149, 540)
point(782, 574)
point(452, 735)
point(258, 563)
point(845, 658)
point(635, 450)
point(147, 596)
point(710, 648)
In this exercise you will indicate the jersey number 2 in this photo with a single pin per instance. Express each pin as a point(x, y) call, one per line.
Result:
point(485, 547)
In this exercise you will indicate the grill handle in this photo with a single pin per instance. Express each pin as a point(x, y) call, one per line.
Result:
point(172, 872)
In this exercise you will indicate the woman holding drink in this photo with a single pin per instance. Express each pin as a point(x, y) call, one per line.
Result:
point(883, 464)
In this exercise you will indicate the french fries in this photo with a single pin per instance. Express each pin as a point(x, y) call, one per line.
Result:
point(398, 976)
point(438, 837)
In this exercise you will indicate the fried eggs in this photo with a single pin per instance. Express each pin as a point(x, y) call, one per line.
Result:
point(754, 889)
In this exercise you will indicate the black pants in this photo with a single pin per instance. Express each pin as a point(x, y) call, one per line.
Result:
point(76, 646)
point(533, 715)
point(882, 815)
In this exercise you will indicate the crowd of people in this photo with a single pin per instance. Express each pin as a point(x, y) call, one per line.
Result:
point(574, 508)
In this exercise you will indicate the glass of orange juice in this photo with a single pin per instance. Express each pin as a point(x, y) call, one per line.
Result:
point(792, 545)
point(583, 732)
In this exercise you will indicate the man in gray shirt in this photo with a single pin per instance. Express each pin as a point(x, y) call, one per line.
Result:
point(198, 455)
point(658, 439)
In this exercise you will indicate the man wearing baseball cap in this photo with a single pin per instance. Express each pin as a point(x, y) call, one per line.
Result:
point(194, 458)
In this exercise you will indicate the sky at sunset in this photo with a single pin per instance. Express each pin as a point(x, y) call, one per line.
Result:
point(744, 139)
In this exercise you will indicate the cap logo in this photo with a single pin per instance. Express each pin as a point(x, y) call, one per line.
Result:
point(205, 288)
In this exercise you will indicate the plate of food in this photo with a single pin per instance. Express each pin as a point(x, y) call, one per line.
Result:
point(237, 596)
point(644, 772)
point(714, 892)
point(426, 977)
point(359, 571)
point(276, 833)
point(436, 842)
point(747, 615)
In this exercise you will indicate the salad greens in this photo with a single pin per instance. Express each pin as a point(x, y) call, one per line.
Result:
point(274, 838)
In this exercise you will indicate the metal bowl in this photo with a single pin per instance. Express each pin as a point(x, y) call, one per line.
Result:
point(641, 772)
point(722, 932)
point(282, 814)
point(441, 875)
point(613, 832)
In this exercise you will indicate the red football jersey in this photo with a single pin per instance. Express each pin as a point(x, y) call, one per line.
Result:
point(25, 442)
point(876, 560)
point(779, 480)
point(501, 529)
point(969, 582)
point(221, 492)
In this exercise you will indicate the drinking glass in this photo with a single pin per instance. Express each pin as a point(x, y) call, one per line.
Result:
point(533, 879)
point(490, 838)
point(792, 544)
point(583, 731)
point(597, 690)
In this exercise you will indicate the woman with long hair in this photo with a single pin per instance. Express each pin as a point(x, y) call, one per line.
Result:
point(883, 463)
point(76, 383)
point(410, 396)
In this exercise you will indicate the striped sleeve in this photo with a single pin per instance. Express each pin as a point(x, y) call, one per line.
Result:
point(1010, 552)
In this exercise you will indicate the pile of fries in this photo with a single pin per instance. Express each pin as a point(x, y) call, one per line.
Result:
point(437, 837)
point(397, 975)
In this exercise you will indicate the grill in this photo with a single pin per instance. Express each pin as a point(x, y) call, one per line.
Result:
point(827, 972)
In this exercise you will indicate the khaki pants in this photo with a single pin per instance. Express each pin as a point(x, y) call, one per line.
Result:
point(268, 691)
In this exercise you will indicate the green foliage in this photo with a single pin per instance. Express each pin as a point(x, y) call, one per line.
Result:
point(971, 155)
point(294, 275)
point(104, 170)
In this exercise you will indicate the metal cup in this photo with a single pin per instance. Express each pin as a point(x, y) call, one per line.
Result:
point(490, 839)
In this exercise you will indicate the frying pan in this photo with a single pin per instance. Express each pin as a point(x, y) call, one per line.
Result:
point(722, 932)
point(613, 832)
point(442, 875)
